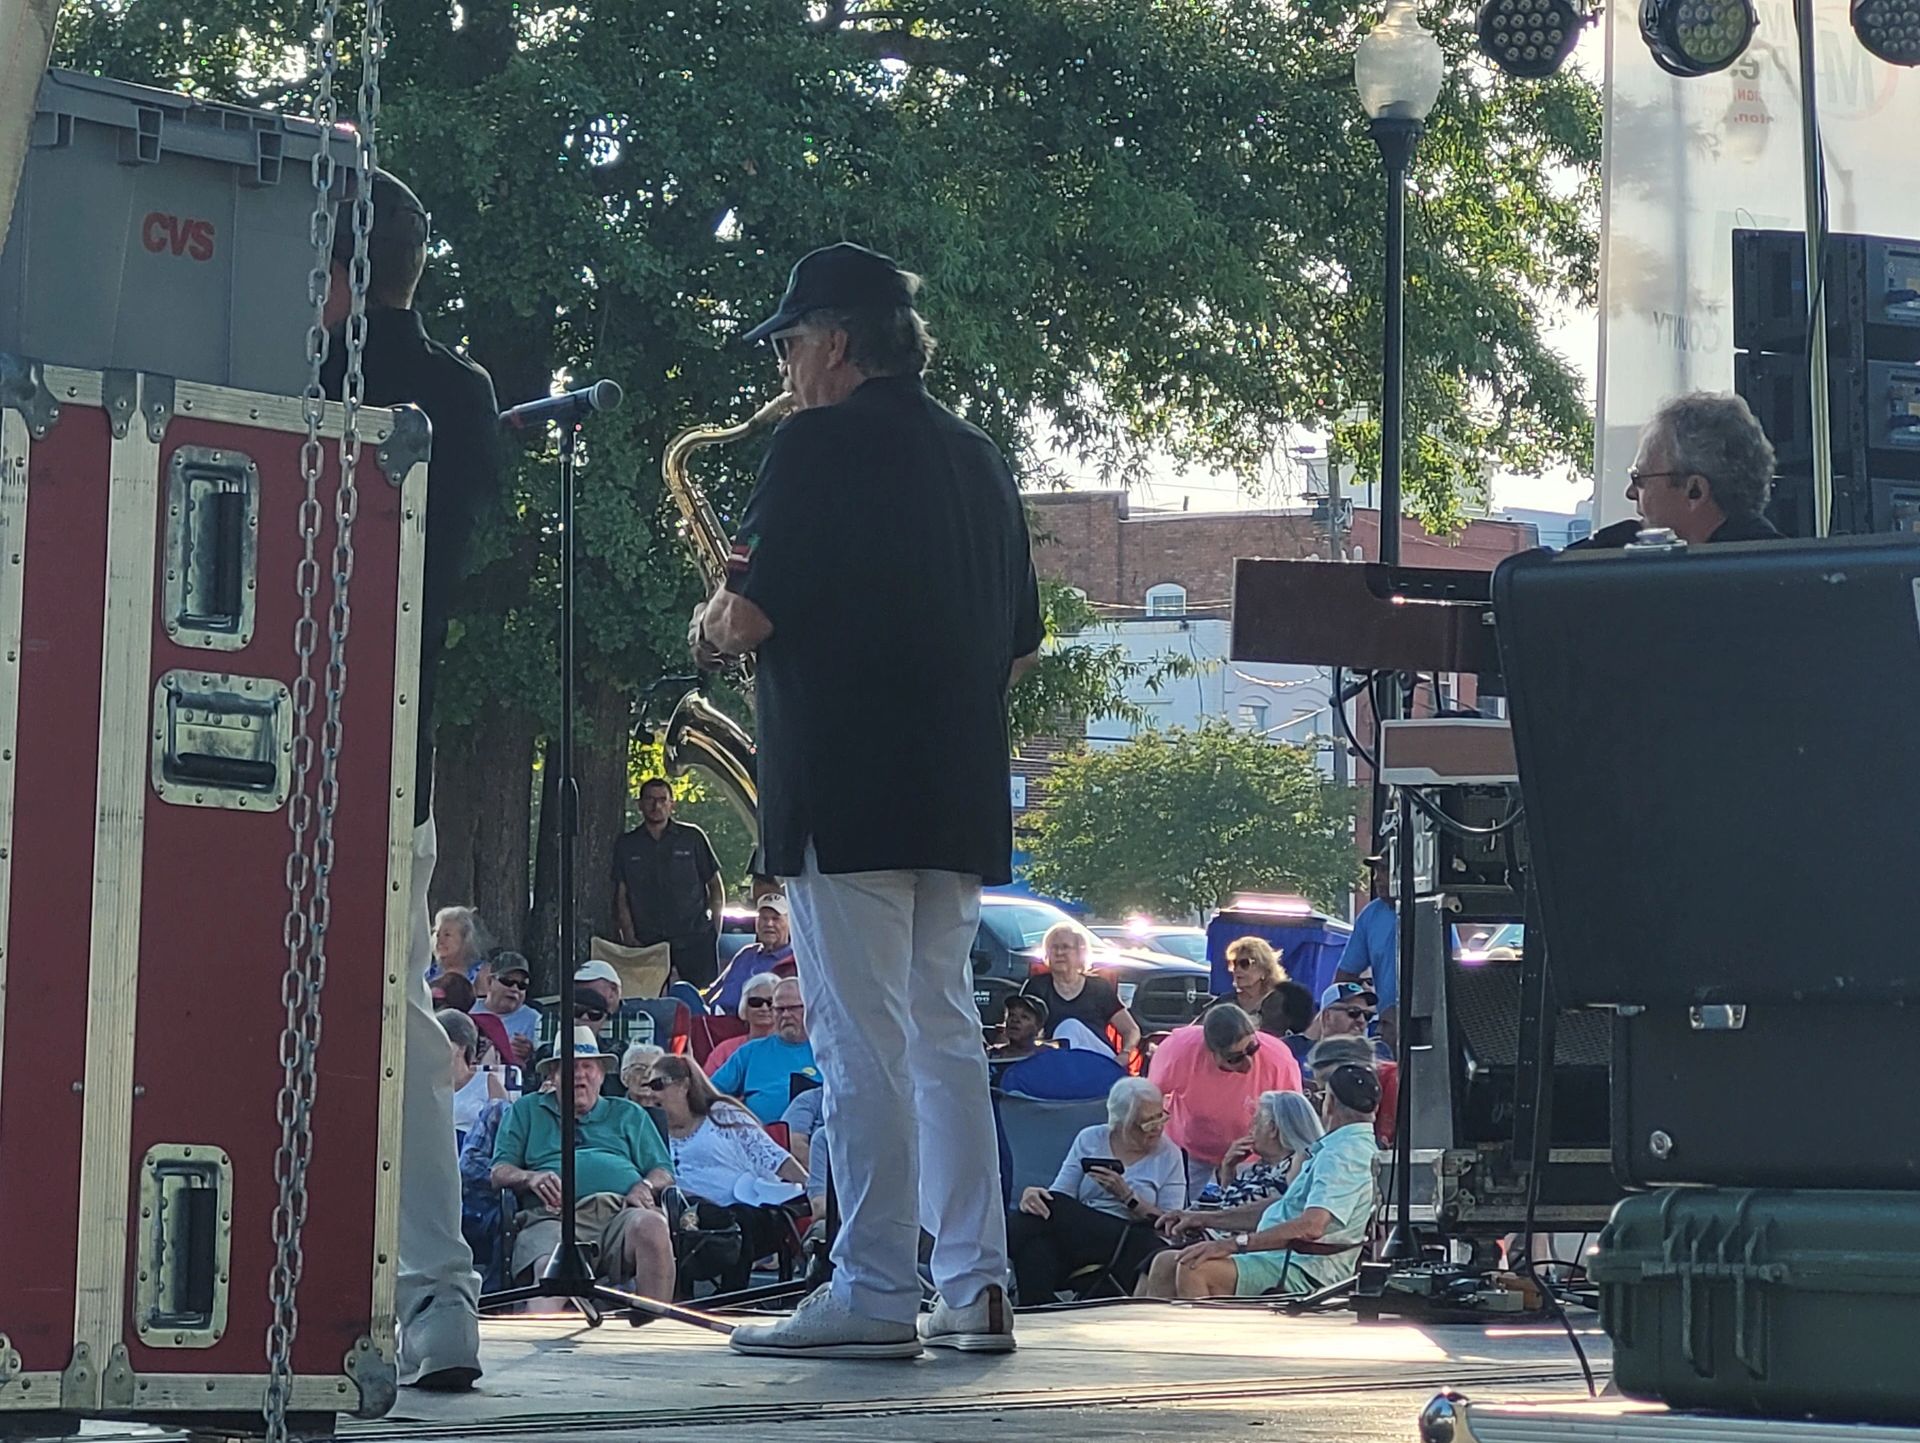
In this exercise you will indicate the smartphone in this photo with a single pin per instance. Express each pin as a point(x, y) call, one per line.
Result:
point(1101, 1164)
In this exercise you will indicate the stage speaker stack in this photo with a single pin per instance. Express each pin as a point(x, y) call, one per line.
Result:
point(1871, 287)
point(1720, 819)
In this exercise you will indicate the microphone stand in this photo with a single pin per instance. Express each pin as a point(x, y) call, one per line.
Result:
point(569, 1274)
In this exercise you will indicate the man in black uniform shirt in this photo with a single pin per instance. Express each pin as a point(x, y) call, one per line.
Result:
point(883, 575)
point(437, 1289)
point(667, 887)
point(1704, 472)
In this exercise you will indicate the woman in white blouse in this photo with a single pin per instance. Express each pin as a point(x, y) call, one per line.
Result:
point(722, 1156)
point(1097, 1215)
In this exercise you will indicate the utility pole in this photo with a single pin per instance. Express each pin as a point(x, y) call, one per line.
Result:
point(1336, 551)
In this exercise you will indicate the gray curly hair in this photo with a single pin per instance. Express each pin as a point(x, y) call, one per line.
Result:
point(1716, 435)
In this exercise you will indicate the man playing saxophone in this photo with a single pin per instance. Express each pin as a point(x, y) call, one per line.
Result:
point(883, 579)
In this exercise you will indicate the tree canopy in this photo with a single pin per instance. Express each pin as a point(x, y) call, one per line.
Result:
point(1143, 224)
point(1175, 822)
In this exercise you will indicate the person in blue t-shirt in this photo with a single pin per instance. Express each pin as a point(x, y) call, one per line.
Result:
point(1374, 952)
point(761, 1073)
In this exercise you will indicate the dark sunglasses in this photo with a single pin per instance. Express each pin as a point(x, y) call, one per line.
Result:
point(1358, 1014)
point(518, 984)
point(586, 1012)
point(1245, 1054)
point(660, 1084)
point(759, 1002)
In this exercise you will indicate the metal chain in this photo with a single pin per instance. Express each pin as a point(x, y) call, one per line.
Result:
point(311, 807)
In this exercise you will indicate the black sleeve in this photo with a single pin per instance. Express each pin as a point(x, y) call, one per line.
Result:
point(619, 861)
point(780, 543)
point(1028, 632)
point(1106, 1001)
point(707, 863)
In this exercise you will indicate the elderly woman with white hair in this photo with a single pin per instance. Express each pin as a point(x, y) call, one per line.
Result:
point(1117, 1180)
point(756, 1010)
point(636, 1067)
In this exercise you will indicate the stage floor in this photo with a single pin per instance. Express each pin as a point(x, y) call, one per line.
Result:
point(1136, 1371)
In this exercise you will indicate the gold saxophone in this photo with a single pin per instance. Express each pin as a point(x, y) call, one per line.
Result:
point(699, 734)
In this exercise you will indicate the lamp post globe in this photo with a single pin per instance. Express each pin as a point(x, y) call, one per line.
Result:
point(1397, 67)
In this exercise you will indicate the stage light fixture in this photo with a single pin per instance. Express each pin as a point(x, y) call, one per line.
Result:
point(1889, 29)
point(1529, 38)
point(1690, 38)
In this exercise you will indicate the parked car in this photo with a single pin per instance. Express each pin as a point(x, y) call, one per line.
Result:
point(1161, 990)
point(1175, 941)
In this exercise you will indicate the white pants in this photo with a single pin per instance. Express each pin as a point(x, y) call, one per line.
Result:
point(888, 979)
point(436, 1265)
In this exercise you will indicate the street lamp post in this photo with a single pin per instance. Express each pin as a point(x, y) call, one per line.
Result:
point(1397, 70)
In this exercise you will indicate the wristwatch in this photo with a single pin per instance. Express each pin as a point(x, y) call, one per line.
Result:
point(1240, 1241)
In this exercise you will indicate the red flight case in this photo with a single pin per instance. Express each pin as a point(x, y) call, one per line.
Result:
point(149, 546)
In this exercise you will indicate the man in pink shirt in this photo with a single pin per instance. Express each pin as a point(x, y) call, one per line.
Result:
point(1212, 1074)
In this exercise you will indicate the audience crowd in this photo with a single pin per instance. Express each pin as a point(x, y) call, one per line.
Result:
point(1231, 1156)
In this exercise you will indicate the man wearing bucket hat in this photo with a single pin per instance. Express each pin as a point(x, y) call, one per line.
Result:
point(884, 861)
point(620, 1168)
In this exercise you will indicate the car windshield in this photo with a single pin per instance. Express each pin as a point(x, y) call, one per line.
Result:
point(1488, 942)
point(1190, 945)
point(1020, 925)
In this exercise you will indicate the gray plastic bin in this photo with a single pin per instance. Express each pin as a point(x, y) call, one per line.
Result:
point(155, 232)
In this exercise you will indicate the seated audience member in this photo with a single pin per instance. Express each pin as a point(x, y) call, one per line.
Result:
point(456, 948)
point(1213, 1073)
point(1093, 1213)
point(1024, 1021)
point(1308, 1238)
point(722, 1156)
point(1072, 994)
point(1332, 1052)
point(620, 1166)
point(761, 1073)
point(770, 951)
point(1287, 1014)
point(755, 1008)
point(477, 1071)
point(1259, 1166)
point(450, 989)
point(803, 1118)
point(636, 1066)
point(481, 1219)
point(1256, 972)
point(506, 999)
point(596, 996)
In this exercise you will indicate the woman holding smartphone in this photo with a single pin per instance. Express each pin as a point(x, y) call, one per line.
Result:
point(1116, 1181)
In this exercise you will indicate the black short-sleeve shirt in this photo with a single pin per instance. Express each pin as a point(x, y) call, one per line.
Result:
point(1095, 1004)
point(666, 880)
point(403, 365)
point(886, 543)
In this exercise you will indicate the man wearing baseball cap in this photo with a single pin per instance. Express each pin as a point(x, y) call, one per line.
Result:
point(436, 1290)
point(1307, 1238)
point(506, 999)
point(770, 951)
point(884, 835)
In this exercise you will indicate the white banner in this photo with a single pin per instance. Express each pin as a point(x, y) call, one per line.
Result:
point(1686, 162)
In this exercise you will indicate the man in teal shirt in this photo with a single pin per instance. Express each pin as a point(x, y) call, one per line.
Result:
point(761, 1073)
point(620, 1167)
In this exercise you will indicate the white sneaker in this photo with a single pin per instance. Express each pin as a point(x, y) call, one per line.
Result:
point(440, 1346)
point(824, 1326)
point(984, 1326)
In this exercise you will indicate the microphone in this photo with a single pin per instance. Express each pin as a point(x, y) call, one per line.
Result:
point(571, 406)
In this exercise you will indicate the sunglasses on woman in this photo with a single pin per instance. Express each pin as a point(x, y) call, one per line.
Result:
point(660, 1084)
point(755, 1003)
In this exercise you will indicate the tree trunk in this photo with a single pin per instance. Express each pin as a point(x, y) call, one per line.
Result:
point(602, 734)
point(483, 810)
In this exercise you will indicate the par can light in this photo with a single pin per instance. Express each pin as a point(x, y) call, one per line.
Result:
point(1530, 38)
point(1889, 29)
point(1690, 38)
